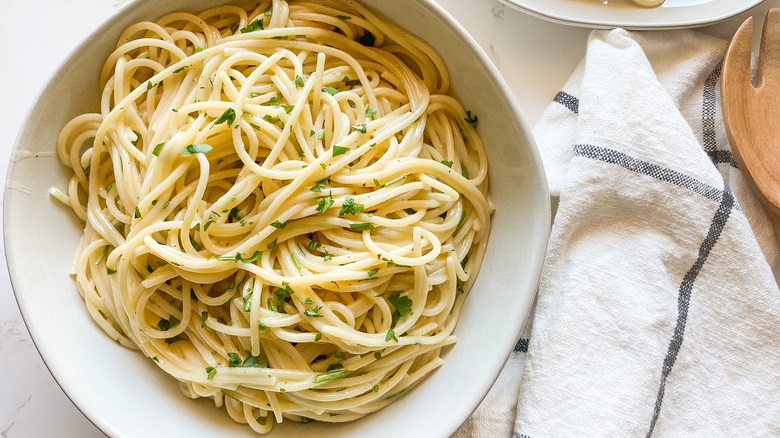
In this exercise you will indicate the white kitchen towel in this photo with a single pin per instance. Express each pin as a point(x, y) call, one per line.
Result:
point(658, 313)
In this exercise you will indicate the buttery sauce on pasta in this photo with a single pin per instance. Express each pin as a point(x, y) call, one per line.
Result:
point(283, 207)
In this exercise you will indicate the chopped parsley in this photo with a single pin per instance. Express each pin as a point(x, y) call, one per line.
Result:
point(197, 148)
point(319, 185)
point(363, 226)
point(446, 163)
point(390, 336)
point(254, 362)
point(464, 171)
point(229, 116)
point(330, 90)
point(395, 180)
point(299, 82)
point(402, 304)
point(360, 128)
point(471, 120)
point(334, 374)
point(278, 225)
point(323, 203)
point(238, 258)
point(158, 149)
point(234, 359)
point(370, 112)
point(350, 207)
point(313, 312)
point(339, 150)
point(210, 372)
point(253, 26)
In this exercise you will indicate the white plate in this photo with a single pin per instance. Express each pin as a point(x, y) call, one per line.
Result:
point(625, 13)
point(125, 395)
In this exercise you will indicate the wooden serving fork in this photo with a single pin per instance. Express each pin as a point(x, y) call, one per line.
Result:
point(751, 113)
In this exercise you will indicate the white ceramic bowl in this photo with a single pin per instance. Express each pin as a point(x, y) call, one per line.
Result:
point(125, 395)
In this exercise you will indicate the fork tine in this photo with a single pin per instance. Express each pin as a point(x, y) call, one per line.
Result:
point(736, 64)
point(769, 53)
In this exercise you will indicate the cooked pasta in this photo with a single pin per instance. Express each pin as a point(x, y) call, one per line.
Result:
point(283, 206)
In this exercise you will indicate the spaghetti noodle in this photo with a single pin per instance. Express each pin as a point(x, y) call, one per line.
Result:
point(283, 206)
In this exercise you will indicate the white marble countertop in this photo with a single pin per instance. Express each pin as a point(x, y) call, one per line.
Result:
point(534, 56)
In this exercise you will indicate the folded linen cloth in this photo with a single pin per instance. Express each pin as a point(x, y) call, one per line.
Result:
point(658, 312)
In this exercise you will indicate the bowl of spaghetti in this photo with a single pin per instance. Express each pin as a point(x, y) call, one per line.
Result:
point(282, 217)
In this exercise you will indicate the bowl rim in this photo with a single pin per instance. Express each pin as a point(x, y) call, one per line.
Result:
point(107, 23)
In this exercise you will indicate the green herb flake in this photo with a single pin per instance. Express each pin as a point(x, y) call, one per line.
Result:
point(464, 171)
point(370, 112)
point(395, 180)
point(363, 226)
point(299, 82)
point(471, 120)
point(377, 355)
point(375, 388)
point(390, 336)
point(446, 163)
point(372, 272)
point(253, 26)
point(339, 150)
point(234, 359)
point(332, 375)
point(197, 148)
point(350, 207)
point(149, 85)
point(271, 245)
point(137, 213)
point(276, 100)
point(319, 185)
point(361, 128)
point(248, 300)
point(330, 90)
point(210, 372)
point(229, 116)
point(180, 69)
point(158, 149)
point(313, 312)
point(324, 203)
point(254, 362)
point(343, 17)
point(278, 225)
point(402, 304)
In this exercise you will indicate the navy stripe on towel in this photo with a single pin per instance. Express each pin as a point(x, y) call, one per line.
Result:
point(684, 297)
point(654, 170)
point(521, 346)
point(567, 100)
